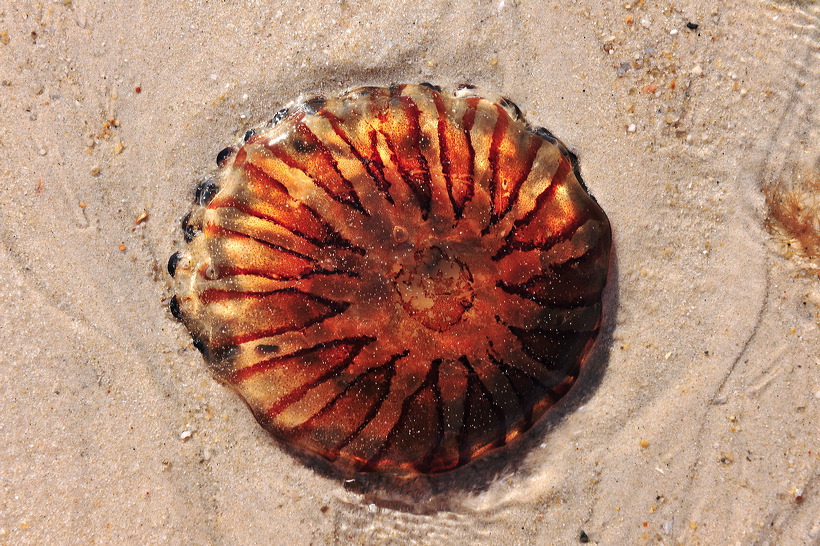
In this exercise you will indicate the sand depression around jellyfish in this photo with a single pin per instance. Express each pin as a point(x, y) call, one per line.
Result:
point(398, 279)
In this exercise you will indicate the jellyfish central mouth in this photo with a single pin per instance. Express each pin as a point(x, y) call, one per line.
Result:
point(435, 289)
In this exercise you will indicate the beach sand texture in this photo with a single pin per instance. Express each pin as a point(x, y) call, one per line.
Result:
point(698, 422)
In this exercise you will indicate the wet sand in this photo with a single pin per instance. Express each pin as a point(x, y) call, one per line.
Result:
point(697, 421)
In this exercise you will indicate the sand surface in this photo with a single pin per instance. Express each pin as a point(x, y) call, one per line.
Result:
point(700, 424)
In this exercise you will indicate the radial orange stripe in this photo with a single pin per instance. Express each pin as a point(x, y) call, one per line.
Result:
point(513, 242)
point(510, 168)
point(476, 388)
point(369, 157)
point(430, 379)
point(345, 361)
point(311, 156)
point(292, 215)
point(456, 156)
point(327, 351)
point(287, 302)
point(400, 127)
point(381, 377)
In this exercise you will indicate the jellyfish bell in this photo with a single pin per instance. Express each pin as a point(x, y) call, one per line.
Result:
point(398, 280)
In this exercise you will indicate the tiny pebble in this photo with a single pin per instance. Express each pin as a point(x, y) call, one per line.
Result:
point(95, 170)
point(697, 71)
point(185, 435)
point(645, 22)
point(692, 26)
point(743, 91)
point(42, 151)
point(632, 128)
point(673, 31)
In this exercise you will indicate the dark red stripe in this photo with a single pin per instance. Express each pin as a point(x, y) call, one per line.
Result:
point(502, 124)
point(301, 216)
point(297, 356)
point(215, 230)
point(553, 348)
point(577, 282)
point(334, 308)
point(312, 157)
point(456, 156)
point(369, 158)
point(297, 394)
point(232, 271)
point(514, 175)
point(225, 271)
point(402, 133)
point(383, 378)
point(429, 380)
point(510, 244)
point(427, 461)
point(214, 295)
point(526, 291)
point(389, 373)
point(334, 238)
point(526, 401)
point(469, 115)
point(474, 382)
point(506, 368)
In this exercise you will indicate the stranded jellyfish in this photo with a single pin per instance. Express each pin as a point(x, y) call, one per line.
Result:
point(398, 280)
